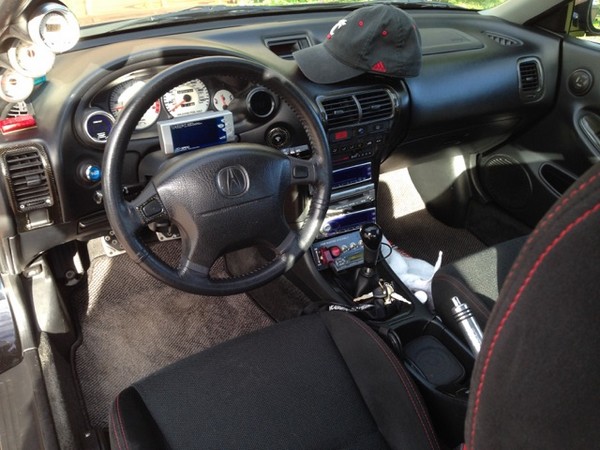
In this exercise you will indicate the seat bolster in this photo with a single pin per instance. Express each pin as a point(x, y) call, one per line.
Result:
point(131, 425)
point(388, 391)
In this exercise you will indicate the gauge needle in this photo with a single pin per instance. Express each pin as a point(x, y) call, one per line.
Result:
point(224, 100)
point(186, 99)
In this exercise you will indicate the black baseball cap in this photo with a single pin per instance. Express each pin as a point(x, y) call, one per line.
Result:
point(380, 39)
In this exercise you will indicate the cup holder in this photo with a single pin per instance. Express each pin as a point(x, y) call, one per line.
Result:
point(441, 365)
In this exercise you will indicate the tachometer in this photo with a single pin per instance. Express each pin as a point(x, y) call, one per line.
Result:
point(124, 92)
point(188, 98)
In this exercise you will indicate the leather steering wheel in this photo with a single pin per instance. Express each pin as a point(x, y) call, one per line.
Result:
point(221, 198)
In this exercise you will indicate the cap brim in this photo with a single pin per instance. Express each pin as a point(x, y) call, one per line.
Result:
point(320, 66)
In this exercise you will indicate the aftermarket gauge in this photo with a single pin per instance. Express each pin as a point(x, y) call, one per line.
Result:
point(31, 60)
point(222, 99)
point(124, 92)
point(188, 98)
point(15, 87)
point(54, 26)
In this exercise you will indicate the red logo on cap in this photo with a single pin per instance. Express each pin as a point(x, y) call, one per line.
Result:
point(379, 67)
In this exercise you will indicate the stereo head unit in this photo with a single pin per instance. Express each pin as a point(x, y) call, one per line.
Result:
point(195, 131)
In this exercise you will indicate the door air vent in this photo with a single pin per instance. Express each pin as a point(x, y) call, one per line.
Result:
point(352, 109)
point(285, 46)
point(27, 177)
point(501, 39)
point(531, 80)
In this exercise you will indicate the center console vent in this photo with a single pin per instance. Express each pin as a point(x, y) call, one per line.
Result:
point(531, 79)
point(361, 107)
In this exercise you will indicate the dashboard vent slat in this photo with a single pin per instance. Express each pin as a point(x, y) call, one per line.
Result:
point(362, 107)
point(503, 40)
point(28, 179)
point(375, 105)
point(530, 79)
point(284, 47)
point(341, 111)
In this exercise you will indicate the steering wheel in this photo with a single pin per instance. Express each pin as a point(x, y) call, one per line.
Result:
point(222, 198)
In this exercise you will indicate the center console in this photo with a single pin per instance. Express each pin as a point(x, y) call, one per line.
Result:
point(440, 363)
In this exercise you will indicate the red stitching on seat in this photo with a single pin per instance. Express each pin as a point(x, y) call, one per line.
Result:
point(114, 427)
point(511, 308)
point(121, 422)
point(400, 372)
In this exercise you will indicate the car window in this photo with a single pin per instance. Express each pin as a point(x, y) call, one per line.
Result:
point(103, 11)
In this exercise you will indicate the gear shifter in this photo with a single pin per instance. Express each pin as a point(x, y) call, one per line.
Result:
point(371, 235)
point(367, 277)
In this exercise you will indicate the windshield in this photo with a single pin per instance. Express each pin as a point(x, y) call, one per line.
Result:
point(97, 12)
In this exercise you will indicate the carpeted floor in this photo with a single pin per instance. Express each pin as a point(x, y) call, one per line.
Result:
point(408, 225)
point(132, 325)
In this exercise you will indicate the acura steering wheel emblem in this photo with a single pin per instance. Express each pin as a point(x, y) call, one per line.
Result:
point(233, 181)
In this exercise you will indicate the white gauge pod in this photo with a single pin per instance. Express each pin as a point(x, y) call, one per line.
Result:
point(15, 87)
point(31, 60)
point(54, 26)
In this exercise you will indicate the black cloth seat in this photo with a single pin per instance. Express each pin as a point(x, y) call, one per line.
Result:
point(323, 381)
point(476, 280)
point(327, 381)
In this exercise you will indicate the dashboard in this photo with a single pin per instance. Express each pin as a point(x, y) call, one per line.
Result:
point(468, 98)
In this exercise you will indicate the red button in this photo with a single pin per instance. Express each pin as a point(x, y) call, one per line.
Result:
point(335, 251)
point(340, 135)
point(13, 124)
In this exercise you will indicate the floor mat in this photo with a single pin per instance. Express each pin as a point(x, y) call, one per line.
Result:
point(132, 325)
point(408, 225)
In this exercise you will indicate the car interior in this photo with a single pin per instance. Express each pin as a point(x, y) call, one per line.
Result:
point(212, 238)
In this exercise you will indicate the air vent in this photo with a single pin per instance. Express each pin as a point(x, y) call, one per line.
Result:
point(340, 111)
point(375, 105)
point(16, 110)
point(285, 46)
point(28, 179)
point(357, 108)
point(531, 81)
point(506, 41)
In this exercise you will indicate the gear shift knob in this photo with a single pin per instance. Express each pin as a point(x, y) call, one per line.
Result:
point(371, 235)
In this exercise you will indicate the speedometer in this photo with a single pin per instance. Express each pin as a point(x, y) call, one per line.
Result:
point(124, 92)
point(188, 98)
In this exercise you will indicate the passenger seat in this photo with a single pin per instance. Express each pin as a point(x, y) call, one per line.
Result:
point(476, 280)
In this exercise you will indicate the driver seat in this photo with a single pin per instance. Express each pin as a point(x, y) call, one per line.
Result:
point(328, 381)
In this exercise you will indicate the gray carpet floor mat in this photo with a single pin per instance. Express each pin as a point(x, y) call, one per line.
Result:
point(132, 325)
point(408, 225)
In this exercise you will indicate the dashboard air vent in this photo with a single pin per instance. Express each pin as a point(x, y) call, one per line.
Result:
point(375, 105)
point(28, 179)
point(340, 111)
point(531, 80)
point(285, 46)
point(361, 107)
point(501, 39)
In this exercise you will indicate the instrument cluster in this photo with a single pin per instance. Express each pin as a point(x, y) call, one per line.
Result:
point(192, 97)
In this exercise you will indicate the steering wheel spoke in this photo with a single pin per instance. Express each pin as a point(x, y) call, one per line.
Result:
point(147, 207)
point(303, 171)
